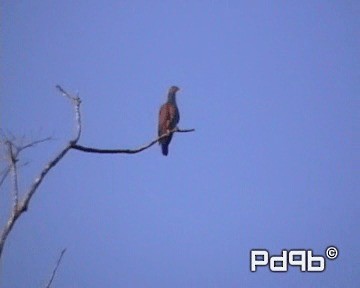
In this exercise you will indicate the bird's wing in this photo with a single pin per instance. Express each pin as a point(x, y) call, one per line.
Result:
point(168, 118)
point(174, 116)
point(164, 117)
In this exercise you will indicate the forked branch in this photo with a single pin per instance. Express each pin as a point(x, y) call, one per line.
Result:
point(20, 207)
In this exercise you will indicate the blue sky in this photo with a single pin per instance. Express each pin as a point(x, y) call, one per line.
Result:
point(272, 90)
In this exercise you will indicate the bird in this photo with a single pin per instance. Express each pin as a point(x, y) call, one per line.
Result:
point(169, 117)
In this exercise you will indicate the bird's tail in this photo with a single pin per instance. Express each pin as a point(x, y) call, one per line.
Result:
point(164, 149)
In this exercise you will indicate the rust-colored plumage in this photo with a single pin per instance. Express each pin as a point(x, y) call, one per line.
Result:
point(168, 119)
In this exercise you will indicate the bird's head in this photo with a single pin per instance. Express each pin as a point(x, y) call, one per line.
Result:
point(173, 89)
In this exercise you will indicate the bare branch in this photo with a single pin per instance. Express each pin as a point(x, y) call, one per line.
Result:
point(25, 203)
point(64, 92)
point(128, 151)
point(76, 103)
point(4, 174)
point(19, 149)
point(34, 143)
point(23, 206)
point(55, 268)
point(13, 153)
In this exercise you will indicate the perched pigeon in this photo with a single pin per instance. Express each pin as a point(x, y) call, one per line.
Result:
point(168, 119)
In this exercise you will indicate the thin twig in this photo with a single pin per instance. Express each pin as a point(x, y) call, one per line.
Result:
point(34, 143)
point(64, 92)
point(55, 268)
point(76, 101)
point(128, 151)
point(7, 170)
point(4, 174)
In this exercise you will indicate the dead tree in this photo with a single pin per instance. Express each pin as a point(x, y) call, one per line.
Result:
point(13, 151)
